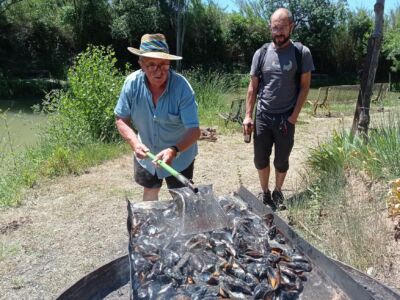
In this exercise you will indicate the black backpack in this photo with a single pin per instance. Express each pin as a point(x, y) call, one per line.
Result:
point(298, 51)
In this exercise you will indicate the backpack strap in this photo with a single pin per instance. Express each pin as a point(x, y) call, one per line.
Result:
point(298, 51)
point(261, 60)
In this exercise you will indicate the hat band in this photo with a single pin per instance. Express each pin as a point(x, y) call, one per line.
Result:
point(154, 46)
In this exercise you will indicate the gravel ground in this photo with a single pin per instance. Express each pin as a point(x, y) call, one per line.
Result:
point(70, 226)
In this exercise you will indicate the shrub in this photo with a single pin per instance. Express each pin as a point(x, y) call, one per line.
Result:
point(95, 84)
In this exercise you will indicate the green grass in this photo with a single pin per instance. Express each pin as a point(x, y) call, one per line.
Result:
point(214, 93)
point(24, 169)
point(343, 102)
point(336, 210)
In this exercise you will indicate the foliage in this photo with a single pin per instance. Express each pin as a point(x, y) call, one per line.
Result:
point(132, 19)
point(209, 88)
point(95, 84)
point(90, 21)
point(391, 44)
point(46, 34)
point(333, 211)
point(80, 120)
point(330, 158)
point(33, 37)
point(244, 33)
point(204, 45)
point(378, 158)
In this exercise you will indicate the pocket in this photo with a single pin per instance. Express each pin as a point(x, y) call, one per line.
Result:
point(171, 120)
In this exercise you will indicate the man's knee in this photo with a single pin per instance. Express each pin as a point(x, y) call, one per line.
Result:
point(261, 163)
point(281, 166)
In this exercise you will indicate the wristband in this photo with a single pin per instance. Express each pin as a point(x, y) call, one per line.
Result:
point(176, 150)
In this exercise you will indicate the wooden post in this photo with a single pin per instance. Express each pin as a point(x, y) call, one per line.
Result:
point(361, 115)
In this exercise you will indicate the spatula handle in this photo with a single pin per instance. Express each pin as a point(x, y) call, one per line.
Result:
point(174, 173)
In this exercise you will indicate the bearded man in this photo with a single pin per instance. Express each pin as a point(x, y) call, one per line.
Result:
point(280, 78)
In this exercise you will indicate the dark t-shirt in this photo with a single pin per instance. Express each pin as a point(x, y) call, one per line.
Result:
point(278, 92)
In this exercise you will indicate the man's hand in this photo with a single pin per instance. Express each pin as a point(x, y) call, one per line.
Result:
point(248, 125)
point(292, 119)
point(166, 155)
point(140, 150)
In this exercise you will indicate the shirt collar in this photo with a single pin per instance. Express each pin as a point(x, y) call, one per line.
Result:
point(144, 80)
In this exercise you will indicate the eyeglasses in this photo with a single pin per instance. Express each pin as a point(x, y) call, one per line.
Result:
point(154, 67)
point(277, 29)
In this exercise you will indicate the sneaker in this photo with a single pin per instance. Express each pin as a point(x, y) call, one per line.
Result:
point(267, 199)
point(279, 199)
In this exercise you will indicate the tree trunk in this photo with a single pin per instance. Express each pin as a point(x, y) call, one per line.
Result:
point(179, 39)
point(361, 115)
point(181, 7)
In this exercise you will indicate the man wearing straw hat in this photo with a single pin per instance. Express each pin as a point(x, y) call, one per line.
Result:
point(157, 112)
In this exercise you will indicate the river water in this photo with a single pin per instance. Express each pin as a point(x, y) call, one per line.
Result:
point(19, 125)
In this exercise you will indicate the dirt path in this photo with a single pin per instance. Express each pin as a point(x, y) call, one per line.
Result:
point(69, 227)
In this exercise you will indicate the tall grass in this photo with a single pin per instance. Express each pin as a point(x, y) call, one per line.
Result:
point(339, 212)
point(210, 88)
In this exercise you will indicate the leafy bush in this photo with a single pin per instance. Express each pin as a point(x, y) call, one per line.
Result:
point(95, 84)
point(80, 120)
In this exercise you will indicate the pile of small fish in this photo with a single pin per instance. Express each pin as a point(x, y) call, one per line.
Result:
point(248, 261)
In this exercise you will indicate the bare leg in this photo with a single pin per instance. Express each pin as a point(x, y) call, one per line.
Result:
point(279, 179)
point(150, 194)
point(263, 175)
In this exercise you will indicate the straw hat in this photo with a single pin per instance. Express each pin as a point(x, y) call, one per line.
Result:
point(154, 46)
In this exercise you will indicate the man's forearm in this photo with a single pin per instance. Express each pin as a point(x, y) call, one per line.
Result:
point(189, 138)
point(305, 81)
point(127, 133)
point(251, 97)
point(301, 99)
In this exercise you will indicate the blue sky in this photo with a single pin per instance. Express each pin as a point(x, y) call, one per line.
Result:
point(353, 4)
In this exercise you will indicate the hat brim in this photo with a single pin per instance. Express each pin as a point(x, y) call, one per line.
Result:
point(160, 55)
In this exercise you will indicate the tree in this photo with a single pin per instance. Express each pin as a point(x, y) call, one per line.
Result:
point(90, 20)
point(178, 11)
point(243, 37)
point(33, 38)
point(361, 116)
point(132, 19)
point(316, 22)
point(391, 45)
point(360, 27)
point(206, 44)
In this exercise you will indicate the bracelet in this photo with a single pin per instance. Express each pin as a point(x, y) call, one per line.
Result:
point(176, 150)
